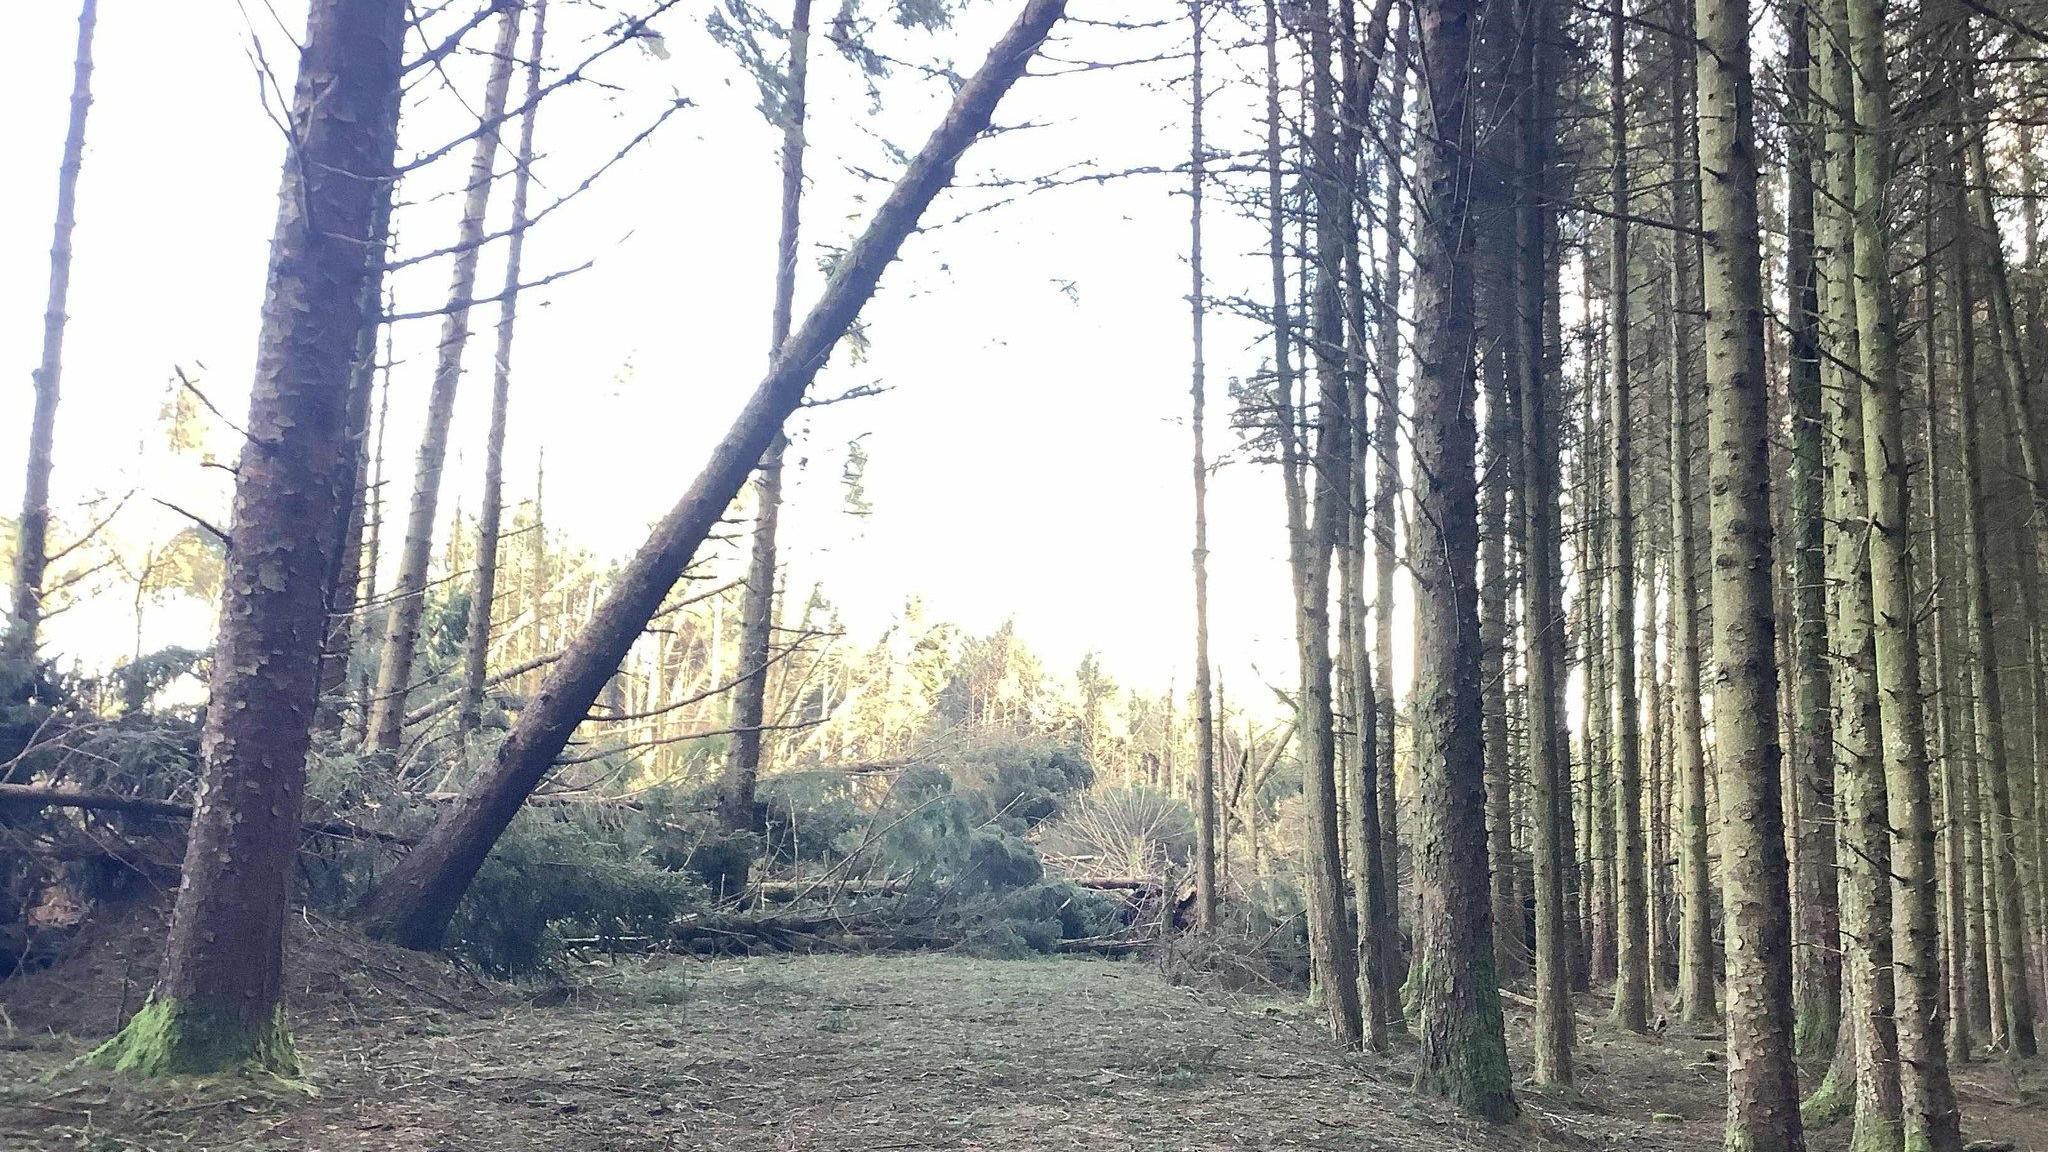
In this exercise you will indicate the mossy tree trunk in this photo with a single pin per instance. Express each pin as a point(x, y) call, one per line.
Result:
point(1763, 1112)
point(1463, 1052)
point(217, 1004)
point(1928, 1114)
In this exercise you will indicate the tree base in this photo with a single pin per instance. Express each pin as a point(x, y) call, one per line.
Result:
point(174, 1038)
point(1831, 1103)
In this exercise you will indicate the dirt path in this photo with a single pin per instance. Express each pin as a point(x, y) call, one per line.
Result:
point(838, 1054)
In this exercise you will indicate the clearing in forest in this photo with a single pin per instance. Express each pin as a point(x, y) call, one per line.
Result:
point(861, 1053)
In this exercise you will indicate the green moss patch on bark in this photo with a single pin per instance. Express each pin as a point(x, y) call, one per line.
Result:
point(177, 1038)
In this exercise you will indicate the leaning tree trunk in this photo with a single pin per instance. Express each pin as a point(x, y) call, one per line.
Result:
point(414, 902)
point(1763, 1091)
point(31, 556)
point(1928, 1115)
point(216, 1006)
point(476, 644)
point(757, 608)
point(409, 595)
point(1463, 1053)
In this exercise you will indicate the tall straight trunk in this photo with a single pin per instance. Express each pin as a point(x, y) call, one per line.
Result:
point(477, 642)
point(1763, 1101)
point(1494, 634)
point(1695, 937)
point(1463, 1053)
point(1549, 765)
point(1631, 898)
point(1928, 1114)
point(1954, 927)
point(413, 904)
point(757, 607)
point(1860, 794)
point(1386, 496)
point(217, 1005)
point(1333, 952)
point(31, 556)
point(1205, 720)
point(408, 599)
point(1601, 720)
point(2007, 844)
point(1378, 942)
point(1817, 964)
point(2006, 950)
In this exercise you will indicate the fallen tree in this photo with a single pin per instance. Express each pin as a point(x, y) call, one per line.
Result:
point(40, 796)
point(416, 900)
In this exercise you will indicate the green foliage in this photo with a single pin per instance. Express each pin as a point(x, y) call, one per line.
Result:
point(1131, 831)
point(554, 876)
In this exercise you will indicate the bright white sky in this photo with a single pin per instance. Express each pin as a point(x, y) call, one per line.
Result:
point(1029, 460)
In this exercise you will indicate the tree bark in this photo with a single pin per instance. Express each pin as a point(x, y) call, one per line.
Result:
point(1205, 719)
point(1929, 1118)
point(216, 1006)
point(1547, 741)
point(757, 607)
point(31, 556)
point(408, 599)
point(416, 899)
point(1463, 1053)
point(1763, 1101)
point(476, 645)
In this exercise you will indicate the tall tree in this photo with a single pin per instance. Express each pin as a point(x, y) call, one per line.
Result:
point(408, 600)
point(1817, 965)
point(1928, 1100)
point(476, 644)
point(31, 556)
point(1547, 742)
point(1763, 1101)
point(1631, 898)
point(757, 608)
point(1205, 719)
point(216, 1006)
point(1463, 1052)
point(416, 899)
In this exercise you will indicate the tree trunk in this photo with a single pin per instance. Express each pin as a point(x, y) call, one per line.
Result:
point(1205, 719)
point(408, 600)
point(477, 642)
point(1763, 1102)
point(757, 608)
point(31, 555)
point(1546, 741)
point(413, 904)
point(1463, 1052)
point(1386, 495)
point(1631, 926)
point(216, 1006)
point(1817, 966)
point(1928, 1102)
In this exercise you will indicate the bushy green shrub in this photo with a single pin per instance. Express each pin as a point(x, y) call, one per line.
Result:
point(553, 876)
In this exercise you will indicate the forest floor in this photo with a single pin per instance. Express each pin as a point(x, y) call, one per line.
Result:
point(839, 1053)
